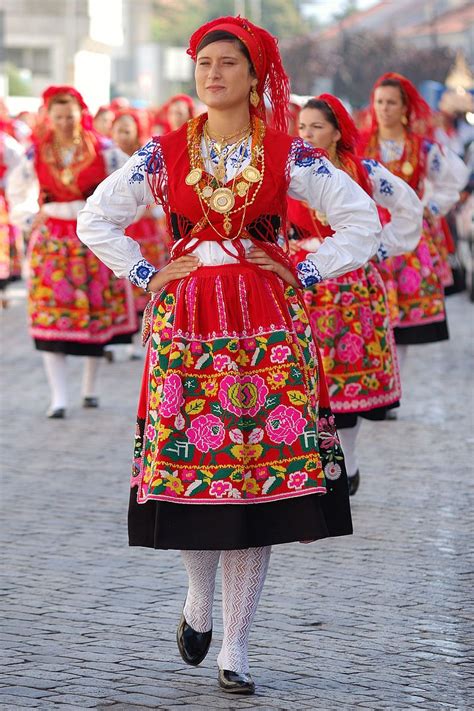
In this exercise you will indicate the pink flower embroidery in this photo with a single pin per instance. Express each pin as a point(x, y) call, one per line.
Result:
point(236, 436)
point(352, 389)
point(297, 480)
point(285, 424)
point(153, 356)
point(423, 254)
point(409, 280)
point(63, 323)
point(96, 297)
point(63, 291)
point(243, 394)
point(350, 348)
point(166, 334)
point(196, 348)
point(206, 432)
point(221, 362)
point(347, 298)
point(150, 433)
point(249, 344)
point(261, 473)
point(366, 321)
point(280, 354)
point(256, 435)
point(188, 475)
point(220, 488)
point(172, 398)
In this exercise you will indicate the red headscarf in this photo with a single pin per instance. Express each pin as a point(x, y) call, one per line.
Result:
point(52, 91)
point(418, 111)
point(140, 119)
point(263, 50)
point(346, 146)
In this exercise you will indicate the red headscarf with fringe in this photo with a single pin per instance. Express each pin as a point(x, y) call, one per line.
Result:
point(263, 50)
point(67, 90)
point(417, 108)
point(346, 146)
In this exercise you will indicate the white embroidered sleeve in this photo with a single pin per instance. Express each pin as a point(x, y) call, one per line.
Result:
point(22, 191)
point(348, 209)
point(447, 174)
point(403, 232)
point(113, 207)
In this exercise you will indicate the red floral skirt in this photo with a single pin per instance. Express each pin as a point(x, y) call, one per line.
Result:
point(351, 322)
point(154, 244)
point(10, 246)
point(419, 287)
point(73, 297)
point(231, 394)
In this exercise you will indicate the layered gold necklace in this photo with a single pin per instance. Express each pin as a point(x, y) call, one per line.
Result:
point(213, 193)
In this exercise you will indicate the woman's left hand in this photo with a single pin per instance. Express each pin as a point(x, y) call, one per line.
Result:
point(264, 261)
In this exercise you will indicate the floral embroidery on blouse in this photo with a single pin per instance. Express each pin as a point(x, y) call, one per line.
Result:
point(151, 160)
point(386, 188)
point(382, 253)
point(369, 164)
point(436, 163)
point(308, 273)
point(141, 273)
point(303, 154)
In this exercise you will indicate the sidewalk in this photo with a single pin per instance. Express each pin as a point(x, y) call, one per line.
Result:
point(379, 620)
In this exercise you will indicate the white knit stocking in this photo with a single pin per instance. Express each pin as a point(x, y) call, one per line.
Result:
point(402, 352)
point(201, 567)
point(243, 576)
point(89, 377)
point(347, 437)
point(56, 372)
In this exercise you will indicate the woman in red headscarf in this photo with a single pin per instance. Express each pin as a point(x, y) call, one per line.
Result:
point(350, 314)
point(11, 247)
point(75, 304)
point(236, 447)
point(129, 132)
point(397, 109)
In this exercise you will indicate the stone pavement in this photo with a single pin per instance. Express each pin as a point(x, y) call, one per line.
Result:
point(380, 620)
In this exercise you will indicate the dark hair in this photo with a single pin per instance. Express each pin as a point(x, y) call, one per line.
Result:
point(63, 100)
point(223, 36)
point(396, 85)
point(325, 110)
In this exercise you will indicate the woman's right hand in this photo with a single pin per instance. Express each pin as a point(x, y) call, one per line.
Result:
point(177, 269)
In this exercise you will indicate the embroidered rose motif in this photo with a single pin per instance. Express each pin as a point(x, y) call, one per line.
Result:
point(367, 322)
point(249, 344)
point(172, 397)
point(206, 432)
point(347, 298)
point(352, 389)
point(222, 362)
point(188, 475)
point(220, 488)
point(350, 348)
point(332, 471)
point(150, 433)
point(297, 480)
point(243, 394)
point(285, 424)
point(280, 354)
point(409, 280)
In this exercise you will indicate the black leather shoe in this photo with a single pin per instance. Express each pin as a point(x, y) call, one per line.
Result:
point(193, 646)
point(56, 413)
point(353, 482)
point(391, 415)
point(89, 402)
point(235, 683)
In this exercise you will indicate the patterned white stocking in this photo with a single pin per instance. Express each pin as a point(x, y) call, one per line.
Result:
point(56, 372)
point(89, 377)
point(347, 438)
point(243, 576)
point(201, 567)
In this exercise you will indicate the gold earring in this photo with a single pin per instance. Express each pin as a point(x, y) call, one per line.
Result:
point(404, 120)
point(254, 97)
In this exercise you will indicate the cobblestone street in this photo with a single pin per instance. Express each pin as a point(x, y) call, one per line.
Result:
point(379, 620)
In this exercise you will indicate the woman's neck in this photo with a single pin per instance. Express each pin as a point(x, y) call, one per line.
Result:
point(395, 133)
point(227, 123)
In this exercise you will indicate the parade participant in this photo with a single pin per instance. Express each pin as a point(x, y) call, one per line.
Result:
point(236, 448)
point(103, 120)
point(396, 106)
point(177, 111)
point(350, 314)
point(129, 133)
point(75, 304)
point(11, 247)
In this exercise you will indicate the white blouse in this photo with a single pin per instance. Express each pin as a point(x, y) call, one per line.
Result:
point(351, 212)
point(23, 189)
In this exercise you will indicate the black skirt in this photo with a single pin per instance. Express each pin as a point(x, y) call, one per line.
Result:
point(430, 333)
point(345, 420)
point(163, 524)
point(79, 349)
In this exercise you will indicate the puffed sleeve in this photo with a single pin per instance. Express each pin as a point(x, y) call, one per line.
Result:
point(447, 175)
point(403, 232)
point(22, 190)
point(349, 210)
point(113, 207)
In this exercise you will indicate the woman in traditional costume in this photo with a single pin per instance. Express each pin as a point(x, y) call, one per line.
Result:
point(350, 314)
point(420, 275)
point(11, 246)
point(75, 304)
point(236, 448)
